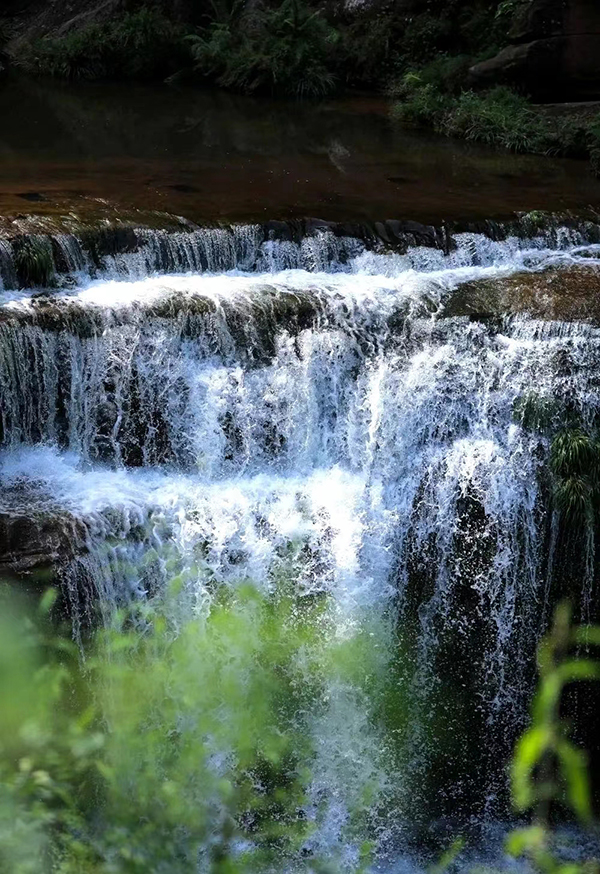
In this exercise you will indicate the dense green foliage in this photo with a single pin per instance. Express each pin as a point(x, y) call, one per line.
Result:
point(284, 50)
point(574, 460)
point(139, 45)
point(575, 463)
point(293, 47)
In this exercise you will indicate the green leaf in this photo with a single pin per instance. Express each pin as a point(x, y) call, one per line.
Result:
point(47, 601)
point(530, 748)
point(522, 841)
point(574, 765)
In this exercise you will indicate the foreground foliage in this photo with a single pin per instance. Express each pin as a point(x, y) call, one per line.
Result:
point(547, 767)
point(175, 747)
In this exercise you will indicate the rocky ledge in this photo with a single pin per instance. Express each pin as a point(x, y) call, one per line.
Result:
point(553, 52)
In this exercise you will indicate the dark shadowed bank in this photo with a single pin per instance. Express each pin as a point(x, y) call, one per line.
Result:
point(545, 47)
point(466, 68)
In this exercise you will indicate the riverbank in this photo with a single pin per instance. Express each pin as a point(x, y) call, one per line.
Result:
point(470, 76)
point(500, 118)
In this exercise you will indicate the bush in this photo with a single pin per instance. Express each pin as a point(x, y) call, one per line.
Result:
point(286, 50)
point(140, 45)
point(426, 36)
point(370, 48)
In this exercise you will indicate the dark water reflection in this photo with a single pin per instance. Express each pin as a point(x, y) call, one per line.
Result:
point(213, 156)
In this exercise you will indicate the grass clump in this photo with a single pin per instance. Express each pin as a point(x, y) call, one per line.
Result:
point(498, 117)
point(139, 45)
point(34, 263)
point(285, 50)
point(575, 465)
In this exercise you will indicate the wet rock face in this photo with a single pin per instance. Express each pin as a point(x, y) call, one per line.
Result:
point(554, 52)
point(35, 19)
point(32, 544)
point(561, 295)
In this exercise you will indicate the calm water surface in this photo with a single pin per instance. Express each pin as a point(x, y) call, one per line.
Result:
point(212, 156)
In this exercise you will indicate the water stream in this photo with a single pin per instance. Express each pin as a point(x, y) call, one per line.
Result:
point(219, 409)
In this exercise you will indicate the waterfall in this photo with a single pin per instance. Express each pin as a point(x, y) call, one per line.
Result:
point(314, 410)
point(126, 252)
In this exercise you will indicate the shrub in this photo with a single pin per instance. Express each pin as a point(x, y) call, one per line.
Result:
point(286, 50)
point(421, 103)
point(425, 36)
point(370, 53)
point(139, 45)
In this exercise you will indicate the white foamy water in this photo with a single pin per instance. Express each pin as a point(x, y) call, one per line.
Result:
point(326, 425)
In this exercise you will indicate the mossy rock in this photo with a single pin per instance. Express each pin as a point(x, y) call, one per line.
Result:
point(567, 294)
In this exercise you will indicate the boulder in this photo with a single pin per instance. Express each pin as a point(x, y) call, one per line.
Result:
point(561, 294)
point(35, 540)
point(529, 66)
point(554, 52)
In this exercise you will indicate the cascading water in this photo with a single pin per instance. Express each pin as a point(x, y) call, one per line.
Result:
point(316, 413)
